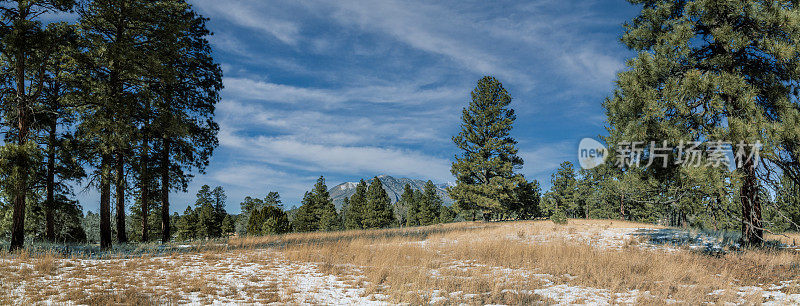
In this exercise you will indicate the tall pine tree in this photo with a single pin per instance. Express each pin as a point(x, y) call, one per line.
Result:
point(484, 171)
point(378, 212)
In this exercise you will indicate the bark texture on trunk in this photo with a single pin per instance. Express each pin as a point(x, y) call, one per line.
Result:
point(119, 188)
point(165, 226)
point(50, 184)
point(19, 191)
point(752, 225)
point(105, 202)
point(144, 186)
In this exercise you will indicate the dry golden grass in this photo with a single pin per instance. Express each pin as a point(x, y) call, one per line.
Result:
point(396, 265)
point(785, 238)
point(470, 262)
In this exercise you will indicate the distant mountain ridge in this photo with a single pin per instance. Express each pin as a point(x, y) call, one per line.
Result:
point(393, 186)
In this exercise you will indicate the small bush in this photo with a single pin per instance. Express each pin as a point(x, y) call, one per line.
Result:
point(559, 217)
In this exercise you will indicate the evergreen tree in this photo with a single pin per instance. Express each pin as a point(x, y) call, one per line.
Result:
point(219, 197)
point(343, 212)
point(57, 118)
point(187, 225)
point(430, 205)
point(415, 207)
point(447, 215)
point(248, 205)
point(356, 210)
point(713, 71)
point(327, 217)
point(116, 36)
point(563, 190)
point(275, 221)
point(305, 219)
point(485, 170)
point(378, 212)
point(786, 215)
point(317, 211)
point(22, 43)
point(273, 199)
point(186, 85)
point(255, 222)
point(207, 215)
point(527, 197)
point(402, 207)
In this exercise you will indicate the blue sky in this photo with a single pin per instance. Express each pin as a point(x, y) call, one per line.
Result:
point(353, 89)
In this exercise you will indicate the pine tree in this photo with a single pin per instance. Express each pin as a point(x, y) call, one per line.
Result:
point(255, 222)
point(273, 199)
point(57, 118)
point(21, 44)
point(415, 207)
point(275, 221)
point(447, 215)
point(563, 189)
point(378, 212)
point(713, 71)
point(402, 207)
point(527, 197)
point(207, 216)
point(327, 217)
point(306, 220)
point(186, 84)
point(219, 197)
point(357, 207)
point(485, 170)
point(187, 226)
point(430, 205)
point(115, 34)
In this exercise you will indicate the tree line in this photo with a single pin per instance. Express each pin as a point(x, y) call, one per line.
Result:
point(121, 99)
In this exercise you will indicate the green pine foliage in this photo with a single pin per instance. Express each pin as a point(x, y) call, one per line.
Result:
point(430, 205)
point(402, 207)
point(317, 212)
point(356, 209)
point(379, 212)
point(268, 221)
point(526, 204)
point(712, 70)
point(563, 191)
point(484, 172)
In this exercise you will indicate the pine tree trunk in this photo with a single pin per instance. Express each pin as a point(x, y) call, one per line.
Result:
point(752, 227)
point(50, 184)
point(165, 228)
point(144, 186)
point(105, 202)
point(119, 187)
point(20, 187)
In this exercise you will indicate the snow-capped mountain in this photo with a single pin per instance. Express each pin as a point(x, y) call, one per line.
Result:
point(393, 186)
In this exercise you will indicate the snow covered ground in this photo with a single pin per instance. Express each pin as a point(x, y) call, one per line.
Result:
point(267, 276)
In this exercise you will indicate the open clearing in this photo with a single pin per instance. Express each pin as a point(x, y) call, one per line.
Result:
point(585, 261)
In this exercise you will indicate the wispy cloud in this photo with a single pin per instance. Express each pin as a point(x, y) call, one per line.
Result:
point(253, 15)
point(305, 156)
point(249, 89)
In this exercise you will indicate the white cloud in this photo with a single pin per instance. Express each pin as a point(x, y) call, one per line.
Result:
point(251, 15)
point(306, 156)
point(425, 27)
point(340, 127)
point(410, 93)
